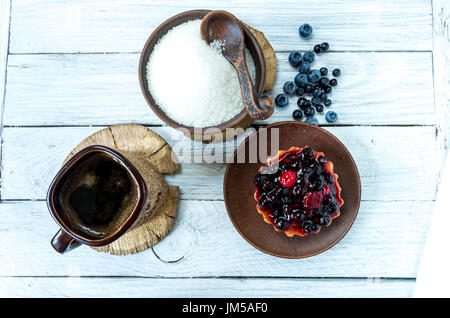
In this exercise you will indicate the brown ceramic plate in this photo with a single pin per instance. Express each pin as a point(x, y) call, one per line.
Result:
point(239, 191)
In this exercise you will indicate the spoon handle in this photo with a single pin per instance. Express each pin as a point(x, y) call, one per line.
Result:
point(257, 108)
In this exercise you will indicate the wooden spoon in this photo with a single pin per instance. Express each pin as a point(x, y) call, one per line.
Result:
point(223, 27)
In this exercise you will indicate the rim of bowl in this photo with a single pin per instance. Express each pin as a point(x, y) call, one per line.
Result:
point(260, 64)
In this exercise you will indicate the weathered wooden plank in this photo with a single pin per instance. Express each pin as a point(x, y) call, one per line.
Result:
point(213, 287)
point(123, 26)
point(395, 163)
point(386, 240)
point(441, 73)
point(4, 42)
point(93, 89)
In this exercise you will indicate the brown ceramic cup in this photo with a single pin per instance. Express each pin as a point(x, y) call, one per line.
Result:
point(149, 191)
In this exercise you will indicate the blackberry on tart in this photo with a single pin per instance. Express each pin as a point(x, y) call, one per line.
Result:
point(297, 191)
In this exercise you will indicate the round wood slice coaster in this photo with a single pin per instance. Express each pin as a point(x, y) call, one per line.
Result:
point(269, 56)
point(149, 145)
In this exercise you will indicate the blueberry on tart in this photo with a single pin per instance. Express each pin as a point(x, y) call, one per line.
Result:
point(297, 191)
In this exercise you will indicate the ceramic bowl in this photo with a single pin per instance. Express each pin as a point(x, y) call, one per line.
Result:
point(241, 120)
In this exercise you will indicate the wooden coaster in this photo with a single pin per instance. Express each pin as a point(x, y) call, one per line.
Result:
point(146, 143)
point(269, 56)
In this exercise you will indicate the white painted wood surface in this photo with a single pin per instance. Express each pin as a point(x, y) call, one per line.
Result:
point(387, 159)
point(441, 74)
point(385, 241)
point(73, 64)
point(123, 26)
point(83, 89)
point(215, 287)
point(4, 41)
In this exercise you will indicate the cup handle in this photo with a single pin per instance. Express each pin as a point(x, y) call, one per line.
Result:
point(63, 242)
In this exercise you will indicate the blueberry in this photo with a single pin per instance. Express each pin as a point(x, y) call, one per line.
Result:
point(309, 112)
point(319, 108)
point(300, 79)
point(323, 96)
point(316, 92)
point(336, 72)
point(281, 100)
point(316, 101)
point(317, 48)
point(295, 58)
point(333, 82)
point(323, 71)
point(304, 67)
point(309, 88)
point(324, 220)
point(308, 57)
point(331, 117)
point(327, 89)
point(324, 81)
point(327, 102)
point(280, 223)
point(325, 46)
point(312, 120)
point(297, 114)
point(305, 30)
point(314, 76)
point(300, 91)
point(302, 103)
point(289, 87)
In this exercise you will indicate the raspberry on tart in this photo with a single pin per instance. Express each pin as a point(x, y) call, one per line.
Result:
point(297, 191)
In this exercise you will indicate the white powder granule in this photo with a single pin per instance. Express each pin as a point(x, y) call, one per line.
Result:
point(192, 82)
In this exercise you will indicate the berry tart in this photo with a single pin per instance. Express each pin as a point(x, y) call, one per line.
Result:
point(297, 191)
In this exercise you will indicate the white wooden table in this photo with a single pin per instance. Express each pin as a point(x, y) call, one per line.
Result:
point(69, 68)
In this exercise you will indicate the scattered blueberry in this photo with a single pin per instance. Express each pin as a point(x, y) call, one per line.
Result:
point(308, 82)
point(297, 114)
point(325, 46)
point(319, 108)
point(304, 67)
point(305, 30)
point(324, 81)
point(308, 57)
point(312, 120)
point(331, 117)
point(336, 72)
point(281, 100)
point(323, 71)
point(309, 112)
point(309, 88)
point(300, 91)
point(314, 76)
point(302, 103)
point(289, 87)
point(295, 58)
point(316, 101)
point(301, 80)
point(316, 92)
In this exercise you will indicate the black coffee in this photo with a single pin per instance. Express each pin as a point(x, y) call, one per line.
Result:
point(98, 191)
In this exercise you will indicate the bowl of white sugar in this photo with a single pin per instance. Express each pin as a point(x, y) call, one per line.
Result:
point(190, 85)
